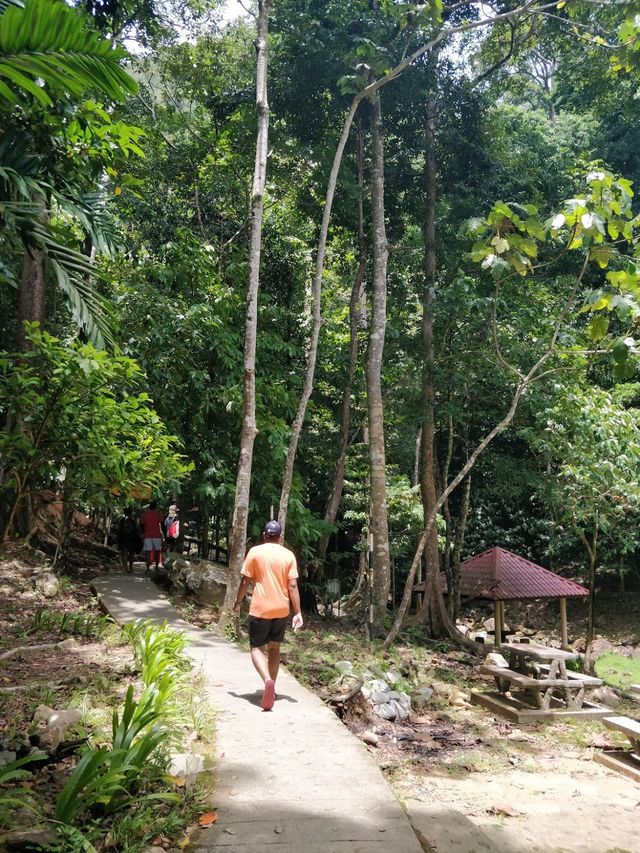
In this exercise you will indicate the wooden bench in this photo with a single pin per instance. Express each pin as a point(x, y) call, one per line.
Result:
point(587, 680)
point(540, 690)
point(625, 761)
point(628, 727)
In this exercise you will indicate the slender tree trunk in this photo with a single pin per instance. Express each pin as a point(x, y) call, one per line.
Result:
point(454, 589)
point(249, 431)
point(592, 551)
point(355, 303)
point(380, 562)
point(368, 92)
point(428, 467)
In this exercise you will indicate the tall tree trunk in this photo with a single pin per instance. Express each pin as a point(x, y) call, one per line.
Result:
point(355, 312)
point(592, 551)
point(454, 589)
point(249, 431)
point(428, 467)
point(380, 562)
point(32, 294)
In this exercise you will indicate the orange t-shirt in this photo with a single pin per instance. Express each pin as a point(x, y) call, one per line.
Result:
point(270, 566)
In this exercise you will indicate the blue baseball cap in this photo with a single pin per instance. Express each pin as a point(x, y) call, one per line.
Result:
point(273, 529)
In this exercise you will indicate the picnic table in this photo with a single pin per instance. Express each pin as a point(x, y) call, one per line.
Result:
point(625, 761)
point(541, 674)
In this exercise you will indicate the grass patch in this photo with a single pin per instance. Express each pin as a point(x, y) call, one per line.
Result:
point(618, 671)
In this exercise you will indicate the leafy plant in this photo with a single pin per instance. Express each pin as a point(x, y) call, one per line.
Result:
point(12, 798)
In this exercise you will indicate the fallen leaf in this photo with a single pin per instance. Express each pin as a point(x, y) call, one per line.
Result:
point(208, 818)
point(178, 781)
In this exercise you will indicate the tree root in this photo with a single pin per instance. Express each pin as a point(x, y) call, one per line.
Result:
point(40, 647)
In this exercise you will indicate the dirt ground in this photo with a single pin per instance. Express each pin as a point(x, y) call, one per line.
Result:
point(475, 781)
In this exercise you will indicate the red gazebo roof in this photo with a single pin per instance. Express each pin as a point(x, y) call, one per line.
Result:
point(499, 575)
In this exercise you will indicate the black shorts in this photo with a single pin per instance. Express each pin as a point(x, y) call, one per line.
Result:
point(263, 631)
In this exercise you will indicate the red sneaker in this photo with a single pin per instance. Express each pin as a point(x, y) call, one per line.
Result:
point(269, 695)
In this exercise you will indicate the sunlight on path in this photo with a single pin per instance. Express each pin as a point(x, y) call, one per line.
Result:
point(293, 778)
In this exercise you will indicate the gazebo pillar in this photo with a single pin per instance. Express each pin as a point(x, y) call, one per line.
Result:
point(498, 619)
point(563, 623)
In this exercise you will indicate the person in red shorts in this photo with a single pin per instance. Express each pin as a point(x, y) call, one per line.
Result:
point(273, 571)
point(153, 535)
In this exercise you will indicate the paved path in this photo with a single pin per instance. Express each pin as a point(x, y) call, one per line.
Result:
point(293, 780)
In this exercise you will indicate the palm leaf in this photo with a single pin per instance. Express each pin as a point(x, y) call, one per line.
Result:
point(47, 46)
point(71, 269)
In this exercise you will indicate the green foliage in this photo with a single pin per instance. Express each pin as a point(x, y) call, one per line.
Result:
point(106, 779)
point(12, 798)
point(617, 670)
point(78, 624)
point(81, 414)
point(49, 42)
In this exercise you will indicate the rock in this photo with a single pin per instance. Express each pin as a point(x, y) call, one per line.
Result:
point(379, 697)
point(373, 686)
point(605, 696)
point(185, 764)
point(635, 654)
point(345, 667)
point(422, 697)
point(393, 677)
point(204, 579)
point(30, 839)
point(504, 809)
point(48, 584)
point(386, 711)
point(630, 640)
point(600, 647)
point(154, 849)
point(489, 625)
point(463, 629)
point(496, 659)
point(370, 737)
point(53, 725)
point(7, 757)
point(459, 699)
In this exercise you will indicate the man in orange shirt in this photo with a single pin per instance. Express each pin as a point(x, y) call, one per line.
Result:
point(273, 571)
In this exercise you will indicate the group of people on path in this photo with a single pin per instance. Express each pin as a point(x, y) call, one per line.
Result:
point(153, 532)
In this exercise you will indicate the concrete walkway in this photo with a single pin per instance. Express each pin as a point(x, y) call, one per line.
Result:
point(293, 779)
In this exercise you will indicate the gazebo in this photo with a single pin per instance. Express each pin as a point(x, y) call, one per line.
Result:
point(498, 575)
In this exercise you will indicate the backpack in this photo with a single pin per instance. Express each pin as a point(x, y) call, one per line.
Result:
point(129, 528)
point(172, 527)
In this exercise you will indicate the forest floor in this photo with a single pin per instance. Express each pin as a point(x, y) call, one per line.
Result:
point(529, 788)
point(71, 656)
point(533, 788)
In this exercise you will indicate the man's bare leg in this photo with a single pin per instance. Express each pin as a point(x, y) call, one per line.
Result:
point(274, 660)
point(261, 663)
point(259, 660)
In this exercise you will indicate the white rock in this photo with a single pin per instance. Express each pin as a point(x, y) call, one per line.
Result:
point(387, 711)
point(185, 764)
point(49, 585)
point(345, 667)
point(371, 738)
point(496, 659)
point(422, 697)
point(393, 677)
point(53, 725)
point(379, 697)
point(606, 696)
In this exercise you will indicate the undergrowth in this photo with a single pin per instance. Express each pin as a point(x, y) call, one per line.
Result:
point(118, 793)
